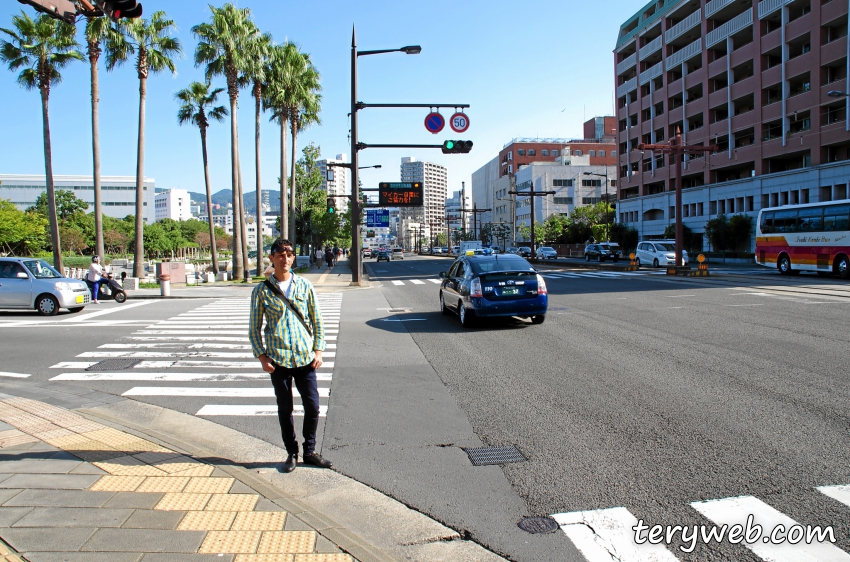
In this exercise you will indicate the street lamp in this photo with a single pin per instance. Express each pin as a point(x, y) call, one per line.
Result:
point(607, 204)
point(355, 203)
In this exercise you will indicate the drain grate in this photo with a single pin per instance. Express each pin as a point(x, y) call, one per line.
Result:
point(114, 365)
point(538, 525)
point(483, 456)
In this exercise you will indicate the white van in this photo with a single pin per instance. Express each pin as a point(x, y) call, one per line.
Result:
point(658, 252)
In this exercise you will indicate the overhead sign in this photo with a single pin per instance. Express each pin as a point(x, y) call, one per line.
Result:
point(400, 194)
point(459, 122)
point(377, 218)
point(434, 122)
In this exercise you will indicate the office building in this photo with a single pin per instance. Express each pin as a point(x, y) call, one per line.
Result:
point(118, 193)
point(765, 81)
point(434, 180)
point(175, 204)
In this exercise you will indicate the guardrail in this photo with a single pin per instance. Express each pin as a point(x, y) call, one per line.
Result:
point(684, 54)
point(715, 6)
point(652, 72)
point(626, 64)
point(627, 87)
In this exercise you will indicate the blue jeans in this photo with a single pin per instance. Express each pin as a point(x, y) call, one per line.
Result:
point(305, 381)
point(95, 290)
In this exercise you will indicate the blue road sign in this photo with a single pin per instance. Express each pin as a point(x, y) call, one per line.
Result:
point(434, 122)
point(377, 218)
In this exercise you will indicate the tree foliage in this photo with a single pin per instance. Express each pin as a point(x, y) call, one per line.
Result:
point(729, 233)
point(21, 233)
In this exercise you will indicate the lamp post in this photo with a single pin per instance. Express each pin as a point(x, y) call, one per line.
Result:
point(607, 204)
point(355, 203)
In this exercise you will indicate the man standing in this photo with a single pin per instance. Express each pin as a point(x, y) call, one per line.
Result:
point(294, 339)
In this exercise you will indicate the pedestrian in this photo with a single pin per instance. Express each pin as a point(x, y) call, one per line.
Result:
point(329, 257)
point(336, 254)
point(95, 275)
point(319, 256)
point(290, 349)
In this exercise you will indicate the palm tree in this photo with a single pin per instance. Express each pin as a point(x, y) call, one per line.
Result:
point(96, 32)
point(198, 106)
point(224, 46)
point(154, 48)
point(255, 72)
point(40, 48)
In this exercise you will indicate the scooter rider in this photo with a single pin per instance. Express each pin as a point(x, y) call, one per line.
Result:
point(95, 275)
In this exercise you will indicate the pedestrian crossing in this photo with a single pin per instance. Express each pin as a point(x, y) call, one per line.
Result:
point(600, 274)
point(616, 534)
point(206, 346)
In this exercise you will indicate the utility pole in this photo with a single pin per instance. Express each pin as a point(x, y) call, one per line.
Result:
point(532, 194)
point(474, 210)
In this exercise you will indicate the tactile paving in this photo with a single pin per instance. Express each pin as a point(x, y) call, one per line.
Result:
point(206, 485)
point(287, 542)
point(337, 557)
point(264, 558)
point(54, 433)
point(164, 484)
point(21, 439)
point(230, 542)
point(111, 437)
point(142, 446)
point(117, 484)
point(128, 466)
point(195, 470)
point(182, 502)
point(232, 502)
point(259, 521)
point(97, 456)
point(207, 521)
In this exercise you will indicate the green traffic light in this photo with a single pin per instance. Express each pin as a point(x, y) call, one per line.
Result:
point(450, 145)
point(331, 210)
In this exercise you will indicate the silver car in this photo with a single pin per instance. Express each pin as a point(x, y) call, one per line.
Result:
point(658, 253)
point(32, 283)
point(546, 253)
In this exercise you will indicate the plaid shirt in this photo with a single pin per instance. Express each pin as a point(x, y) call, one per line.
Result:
point(287, 341)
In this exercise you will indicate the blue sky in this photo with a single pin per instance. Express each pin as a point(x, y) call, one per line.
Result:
point(528, 69)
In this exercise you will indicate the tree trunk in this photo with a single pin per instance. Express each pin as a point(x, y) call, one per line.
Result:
point(95, 141)
point(294, 126)
point(139, 250)
point(48, 176)
point(234, 162)
point(257, 96)
point(213, 248)
point(246, 264)
point(284, 215)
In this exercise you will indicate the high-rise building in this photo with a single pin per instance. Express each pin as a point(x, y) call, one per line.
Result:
point(766, 81)
point(173, 204)
point(339, 186)
point(459, 221)
point(434, 180)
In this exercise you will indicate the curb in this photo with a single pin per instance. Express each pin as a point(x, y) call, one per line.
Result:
point(9, 554)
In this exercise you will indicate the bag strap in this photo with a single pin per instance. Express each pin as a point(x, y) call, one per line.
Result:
point(288, 304)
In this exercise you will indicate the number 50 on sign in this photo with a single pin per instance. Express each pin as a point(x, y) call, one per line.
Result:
point(459, 122)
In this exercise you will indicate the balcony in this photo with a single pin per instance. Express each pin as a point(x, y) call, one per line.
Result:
point(684, 54)
point(626, 64)
point(652, 72)
point(731, 27)
point(767, 7)
point(715, 6)
point(683, 26)
point(627, 87)
point(649, 48)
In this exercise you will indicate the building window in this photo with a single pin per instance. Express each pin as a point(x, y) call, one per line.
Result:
point(544, 152)
point(520, 152)
point(592, 153)
point(591, 183)
point(554, 153)
point(532, 152)
point(613, 153)
point(563, 200)
point(578, 152)
point(562, 183)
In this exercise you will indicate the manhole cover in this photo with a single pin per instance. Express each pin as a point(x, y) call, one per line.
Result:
point(482, 456)
point(114, 365)
point(538, 525)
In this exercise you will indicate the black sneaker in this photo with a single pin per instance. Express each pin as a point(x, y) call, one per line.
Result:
point(316, 460)
point(289, 465)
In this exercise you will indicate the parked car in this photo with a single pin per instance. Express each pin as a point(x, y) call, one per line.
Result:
point(445, 250)
point(33, 284)
point(480, 286)
point(398, 253)
point(523, 251)
point(512, 250)
point(658, 253)
point(436, 250)
point(602, 251)
point(383, 255)
point(455, 250)
point(546, 253)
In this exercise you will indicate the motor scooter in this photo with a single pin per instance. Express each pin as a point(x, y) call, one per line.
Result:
point(110, 289)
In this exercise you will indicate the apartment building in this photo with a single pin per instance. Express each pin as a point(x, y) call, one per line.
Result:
point(765, 81)
point(173, 204)
point(434, 180)
point(458, 221)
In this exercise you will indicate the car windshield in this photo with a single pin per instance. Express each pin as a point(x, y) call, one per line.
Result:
point(41, 270)
point(547, 249)
point(611, 247)
point(667, 247)
point(500, 264)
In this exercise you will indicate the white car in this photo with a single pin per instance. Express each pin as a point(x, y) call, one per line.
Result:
point(33, 284)
point(658, 252)
point(397, 254)
point(546, 253)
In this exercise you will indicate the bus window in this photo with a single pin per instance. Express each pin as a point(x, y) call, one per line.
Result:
point(811, 219)
point(837, 218)
point(767, 223)
point(785, 221)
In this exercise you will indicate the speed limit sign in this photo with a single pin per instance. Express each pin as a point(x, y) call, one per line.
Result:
point(459, 122)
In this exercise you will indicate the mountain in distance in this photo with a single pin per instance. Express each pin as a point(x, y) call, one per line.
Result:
point(224, 196)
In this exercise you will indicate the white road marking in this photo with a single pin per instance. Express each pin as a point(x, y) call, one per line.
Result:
point(14, 375)
point(437, 281)
point(734, 511)
point(175, 355)
point(108, 311)
point(175, 345)
point(74, 364)
point(840, 493)
point(397, 282)
point(417, 282)
point(604, 535)
point(185, 338)
point(677, 296)
point(141, 376)
point(187, 332)
point(218, 392)
point(743, 305)
point(248, 410)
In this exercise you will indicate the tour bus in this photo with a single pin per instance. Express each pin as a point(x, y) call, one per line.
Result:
point(810, 237)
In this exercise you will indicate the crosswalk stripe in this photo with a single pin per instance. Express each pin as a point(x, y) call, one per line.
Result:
point(735, 511)
point(417, 282)
point(152, 332)
point(251, 410)
point(141, 376)
point(185, 338)
point(396, 282)
point(839, 493)
point(437, 281)
point(219, 392)
point(175, 345)
point(603, 535)
point(175, 355)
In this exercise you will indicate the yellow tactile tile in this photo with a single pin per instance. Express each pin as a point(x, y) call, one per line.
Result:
point(180, 463)
point(287, 542)
point(21, 439)
point(142, 446)
point(323, 558)
point(232, 502)
point(111, 437)
point(207, 521)
point(164, 484)
point(54, 433)
point(230, 542)
point(117, 484)
point(82, 426)
point(201, 485)
point(182, 502)
point(74, 441)
point(259, 521)
point(264, 558)
point(128, 466)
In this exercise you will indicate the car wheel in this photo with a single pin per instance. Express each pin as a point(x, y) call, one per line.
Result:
point(466, 317)
point(538, 319)
point(783, 264)
point(842, 267)
point(615, 260)
point(598, 258)
point(76, 309)
point(443, 308)
point(587, 257)
point(637, 261)
point(47, 305)
point(655, 262)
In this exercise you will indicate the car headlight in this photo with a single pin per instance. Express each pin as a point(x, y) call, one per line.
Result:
point(63, 286)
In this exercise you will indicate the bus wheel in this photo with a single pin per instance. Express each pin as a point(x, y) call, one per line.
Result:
point(784, 265)
point(842, 267)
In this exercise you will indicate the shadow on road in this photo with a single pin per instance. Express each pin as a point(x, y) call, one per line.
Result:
point(434, 322)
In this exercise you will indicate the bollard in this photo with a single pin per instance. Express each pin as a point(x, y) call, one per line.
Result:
point(165, 285)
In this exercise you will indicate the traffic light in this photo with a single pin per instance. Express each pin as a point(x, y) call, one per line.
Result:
point(64, 10)
point(331, 206)
point(457, 146)
point(117, 9)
